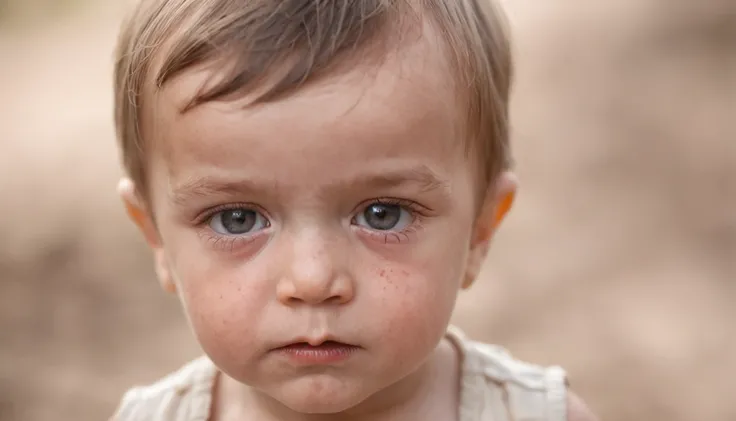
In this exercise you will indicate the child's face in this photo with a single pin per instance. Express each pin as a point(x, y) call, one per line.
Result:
point(344, 212)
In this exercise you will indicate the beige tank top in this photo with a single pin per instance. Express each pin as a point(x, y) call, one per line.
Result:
point(494, 387)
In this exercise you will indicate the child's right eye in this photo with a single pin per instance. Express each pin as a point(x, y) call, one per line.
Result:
point(238, 221)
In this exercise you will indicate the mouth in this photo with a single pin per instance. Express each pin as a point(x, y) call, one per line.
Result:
point(318, 352)
point(327, 344)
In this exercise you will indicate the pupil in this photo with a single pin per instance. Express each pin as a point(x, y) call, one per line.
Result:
point(383, 217)
point(238, 221)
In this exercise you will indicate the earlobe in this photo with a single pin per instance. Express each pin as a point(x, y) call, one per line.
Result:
point(162, 271)
point(142, 218)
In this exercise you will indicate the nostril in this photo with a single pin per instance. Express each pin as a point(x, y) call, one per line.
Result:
point(338, 299)
point(333, 300)
point(315, 291)
point(295, 300)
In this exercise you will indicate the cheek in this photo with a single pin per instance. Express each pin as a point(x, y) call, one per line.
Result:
point(418, 288)
point(224, 303)
point(415, 307)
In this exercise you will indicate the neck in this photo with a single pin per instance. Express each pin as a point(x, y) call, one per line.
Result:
point(412, 397)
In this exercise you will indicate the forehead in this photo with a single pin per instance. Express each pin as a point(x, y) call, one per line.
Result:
point(403, 107)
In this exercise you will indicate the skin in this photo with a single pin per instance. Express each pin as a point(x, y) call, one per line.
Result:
point(311, 165)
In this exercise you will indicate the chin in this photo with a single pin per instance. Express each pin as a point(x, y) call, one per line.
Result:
point(320, 395)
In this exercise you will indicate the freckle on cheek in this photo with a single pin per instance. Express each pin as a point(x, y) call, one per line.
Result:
point(390, 278)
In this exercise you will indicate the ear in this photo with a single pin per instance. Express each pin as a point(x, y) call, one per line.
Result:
point(143, 219)
point(496, 205)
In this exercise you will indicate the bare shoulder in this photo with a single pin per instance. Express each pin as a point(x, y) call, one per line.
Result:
point(578, 410)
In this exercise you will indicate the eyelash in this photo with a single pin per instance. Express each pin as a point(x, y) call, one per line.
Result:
point(417, 212)
point(229, 243)
point(223, 242)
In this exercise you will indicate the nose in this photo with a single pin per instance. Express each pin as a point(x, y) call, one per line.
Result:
point(314, 273)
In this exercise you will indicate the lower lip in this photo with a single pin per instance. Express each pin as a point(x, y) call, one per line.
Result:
point(327, 353)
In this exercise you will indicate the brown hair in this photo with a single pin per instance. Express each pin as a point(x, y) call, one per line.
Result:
point(164, 37)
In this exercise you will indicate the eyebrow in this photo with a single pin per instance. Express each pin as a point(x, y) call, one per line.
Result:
point(421, 176)
point(209, 186)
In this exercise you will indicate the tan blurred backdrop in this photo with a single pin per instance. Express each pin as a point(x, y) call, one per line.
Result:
point(618, 261)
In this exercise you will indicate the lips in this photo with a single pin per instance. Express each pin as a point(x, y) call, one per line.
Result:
point(323, 340)
point(317, 352)
point(318, 345)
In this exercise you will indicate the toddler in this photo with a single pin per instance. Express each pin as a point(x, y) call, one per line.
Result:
point(317, 180)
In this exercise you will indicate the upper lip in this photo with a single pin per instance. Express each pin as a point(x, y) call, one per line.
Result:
point(314, 341)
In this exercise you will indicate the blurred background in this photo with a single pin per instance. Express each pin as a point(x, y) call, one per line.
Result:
point(618, 261)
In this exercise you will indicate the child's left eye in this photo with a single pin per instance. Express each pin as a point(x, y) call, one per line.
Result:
point(384, 217)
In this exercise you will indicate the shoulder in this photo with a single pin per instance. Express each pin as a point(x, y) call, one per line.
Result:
point(176, 397)
point(577, 410)
point(498, 365)
point(496, 384)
